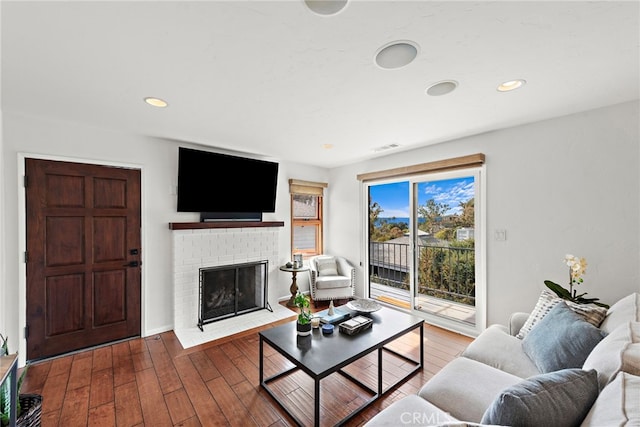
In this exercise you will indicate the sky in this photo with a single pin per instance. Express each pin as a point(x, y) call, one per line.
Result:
point(394, 197)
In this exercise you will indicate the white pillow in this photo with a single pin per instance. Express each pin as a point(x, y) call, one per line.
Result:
point(618, 351)
point(327, 266)
point(625, 310)
point(547, 300)
point(617, 404)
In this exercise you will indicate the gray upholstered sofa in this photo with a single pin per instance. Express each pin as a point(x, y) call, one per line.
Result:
point(498, 379)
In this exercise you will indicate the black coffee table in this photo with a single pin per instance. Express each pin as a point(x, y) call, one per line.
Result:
point(321, 355)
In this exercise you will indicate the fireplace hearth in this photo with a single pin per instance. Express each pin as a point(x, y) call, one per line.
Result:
point(232, 290)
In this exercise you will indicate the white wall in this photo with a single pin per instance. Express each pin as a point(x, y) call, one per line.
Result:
point(28, 136)
point(567, 185)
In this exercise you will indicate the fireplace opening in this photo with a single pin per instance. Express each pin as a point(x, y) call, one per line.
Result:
point(231, 290)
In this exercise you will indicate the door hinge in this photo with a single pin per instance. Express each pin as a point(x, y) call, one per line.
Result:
point(26, 257)
point(26, 332)
point(25, 181)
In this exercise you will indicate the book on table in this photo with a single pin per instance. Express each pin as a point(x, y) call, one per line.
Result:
point(339, 313)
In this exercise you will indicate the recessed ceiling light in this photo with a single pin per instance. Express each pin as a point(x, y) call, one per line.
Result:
point(326, 7)
point(156, 102)
point(327, 146)
point(511, 85)
point(396, 54)
point(442, 88)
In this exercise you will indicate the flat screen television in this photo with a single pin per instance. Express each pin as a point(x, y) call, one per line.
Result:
point(225, 186)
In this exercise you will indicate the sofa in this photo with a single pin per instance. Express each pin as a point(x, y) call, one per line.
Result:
point(563, 364)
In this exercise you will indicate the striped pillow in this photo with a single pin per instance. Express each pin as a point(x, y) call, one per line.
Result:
point(547, 300)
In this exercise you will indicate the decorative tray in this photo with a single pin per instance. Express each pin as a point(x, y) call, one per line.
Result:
point(364, 305)
point(355, 325)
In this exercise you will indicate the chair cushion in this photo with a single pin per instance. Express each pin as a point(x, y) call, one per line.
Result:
point(562, 339)
point(617, 404)
point(547, 300)
point(332, 282)
point(618, 351)
point(563, 396)
point(327, 266)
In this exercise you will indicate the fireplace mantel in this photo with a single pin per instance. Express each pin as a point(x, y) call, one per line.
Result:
point(223, 224)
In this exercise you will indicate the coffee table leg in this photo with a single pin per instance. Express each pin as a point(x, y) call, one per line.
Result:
point(380, 372)
point(261, 361)
point(316, 409)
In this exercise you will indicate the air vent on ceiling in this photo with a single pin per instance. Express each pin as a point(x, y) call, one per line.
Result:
point(385, 147)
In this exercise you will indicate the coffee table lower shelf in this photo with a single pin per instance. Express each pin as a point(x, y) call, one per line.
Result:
point(353, 348)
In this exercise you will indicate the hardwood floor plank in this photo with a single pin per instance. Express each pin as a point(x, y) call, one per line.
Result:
point(61, 365)
point(80, 372)
point(205, 367)
point(102, 416)
point(231, 406)
point(54, 389)
point(154, 408)
point(179, 405)
point(127, 404)
point(203, 403)
point(101, 388)
point(76, 407)
point(102, 358)
point(226, 367)
point(163, 365)
point(262, 411)
point(123, 370)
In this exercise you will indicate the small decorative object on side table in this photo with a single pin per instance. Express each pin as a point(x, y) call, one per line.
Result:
point(294, 285)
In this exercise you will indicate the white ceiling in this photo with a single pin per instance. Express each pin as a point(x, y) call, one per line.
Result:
point(276, 80)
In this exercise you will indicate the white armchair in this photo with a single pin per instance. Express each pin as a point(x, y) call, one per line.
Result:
point(331, 277)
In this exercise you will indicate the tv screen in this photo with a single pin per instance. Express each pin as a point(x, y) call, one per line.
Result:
point(215, 182)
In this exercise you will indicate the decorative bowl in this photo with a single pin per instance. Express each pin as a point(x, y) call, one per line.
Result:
point(364, 305)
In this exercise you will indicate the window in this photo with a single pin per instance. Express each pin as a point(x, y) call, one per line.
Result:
point(306, 217)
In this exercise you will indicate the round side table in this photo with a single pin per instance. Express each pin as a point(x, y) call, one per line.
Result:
point(294, 285)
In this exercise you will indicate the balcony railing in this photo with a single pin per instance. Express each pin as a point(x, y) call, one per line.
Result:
point(443, 271)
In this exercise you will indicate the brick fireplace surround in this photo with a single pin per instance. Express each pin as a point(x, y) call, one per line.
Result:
point(197, 245)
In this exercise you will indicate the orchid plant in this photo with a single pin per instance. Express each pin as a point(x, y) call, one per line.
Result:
point(577, 268)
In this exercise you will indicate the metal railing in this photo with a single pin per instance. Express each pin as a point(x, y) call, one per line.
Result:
point(443, 271)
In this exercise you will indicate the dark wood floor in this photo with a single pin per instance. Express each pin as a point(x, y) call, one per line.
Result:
point(153, 381)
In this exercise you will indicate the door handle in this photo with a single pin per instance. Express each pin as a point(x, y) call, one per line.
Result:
point(133, 264)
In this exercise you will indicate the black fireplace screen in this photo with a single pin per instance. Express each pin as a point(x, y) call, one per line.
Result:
point(231, 290)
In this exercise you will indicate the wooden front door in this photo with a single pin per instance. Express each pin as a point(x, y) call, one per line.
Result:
point(83, 256)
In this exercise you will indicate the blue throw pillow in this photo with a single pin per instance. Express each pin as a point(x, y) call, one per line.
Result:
point(561, 340)
point(561, 398)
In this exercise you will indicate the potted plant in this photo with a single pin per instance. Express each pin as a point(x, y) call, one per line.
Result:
point(28, 406)
point(303, 325)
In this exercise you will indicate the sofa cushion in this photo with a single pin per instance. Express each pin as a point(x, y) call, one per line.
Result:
point(547, 300)
point(411, 411)
point(327, 266)
point(562, 339)
point(563, 396)
point(617, 404)
point(496, 347)
point(465, 388)
point(618, 351)
point(625, 310)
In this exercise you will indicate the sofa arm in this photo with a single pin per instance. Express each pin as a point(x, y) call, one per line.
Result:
point(516, 322)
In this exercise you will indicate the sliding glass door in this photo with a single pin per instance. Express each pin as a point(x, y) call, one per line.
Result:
point(423, 246)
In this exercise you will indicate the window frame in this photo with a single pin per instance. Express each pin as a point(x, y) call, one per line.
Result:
point(314, 189)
